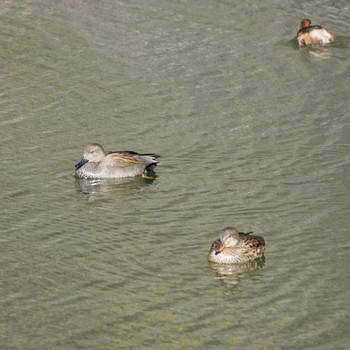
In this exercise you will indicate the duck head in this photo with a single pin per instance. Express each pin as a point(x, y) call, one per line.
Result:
point(229, 238)
point(305, 23)
point(92, 153)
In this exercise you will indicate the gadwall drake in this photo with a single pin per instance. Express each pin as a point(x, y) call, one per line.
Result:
point(313, 35)
point(235, 247)
point(98, 164)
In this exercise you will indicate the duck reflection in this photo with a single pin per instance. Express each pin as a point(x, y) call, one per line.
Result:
point(96, 189)
point(321, 52)
point(230, 274)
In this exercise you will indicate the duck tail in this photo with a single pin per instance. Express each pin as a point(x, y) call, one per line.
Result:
point(153, 161)
point(151, 167)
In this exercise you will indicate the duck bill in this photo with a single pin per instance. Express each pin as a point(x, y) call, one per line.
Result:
point(219, 248)
point(81, 163)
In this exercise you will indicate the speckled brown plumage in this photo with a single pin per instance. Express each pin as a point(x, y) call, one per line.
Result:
point(235, 247)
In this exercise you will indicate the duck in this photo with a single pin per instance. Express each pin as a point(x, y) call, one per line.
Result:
point(233, 247)
point(98, 164)
point(313, 35)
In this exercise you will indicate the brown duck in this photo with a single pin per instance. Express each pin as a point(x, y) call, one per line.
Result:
point(235, 247)
point(313, 35)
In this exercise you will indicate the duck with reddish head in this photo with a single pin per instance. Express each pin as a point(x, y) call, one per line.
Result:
point(313, 35)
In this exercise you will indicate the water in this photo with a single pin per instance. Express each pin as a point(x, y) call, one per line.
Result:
point(252, 132)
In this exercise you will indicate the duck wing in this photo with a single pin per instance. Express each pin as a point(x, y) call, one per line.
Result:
point(251, 241)
point(123, 159)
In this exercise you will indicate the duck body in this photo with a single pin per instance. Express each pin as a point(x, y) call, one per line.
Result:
point(98, 164)
point(235, 247)
point(313, 35)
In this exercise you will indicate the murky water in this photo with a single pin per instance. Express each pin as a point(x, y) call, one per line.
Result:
point(252, 132)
